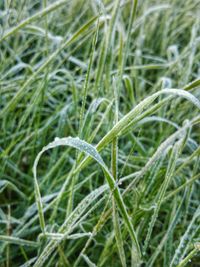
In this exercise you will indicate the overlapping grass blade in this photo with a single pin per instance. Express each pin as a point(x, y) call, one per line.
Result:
point(91, 151)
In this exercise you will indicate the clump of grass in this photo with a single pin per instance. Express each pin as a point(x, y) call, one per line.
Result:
point(99, 138)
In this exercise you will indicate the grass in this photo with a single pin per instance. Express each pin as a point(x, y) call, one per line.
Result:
point(99, 140)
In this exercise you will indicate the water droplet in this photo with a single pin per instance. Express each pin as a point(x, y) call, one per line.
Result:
point(57, 39)
point(166, 82)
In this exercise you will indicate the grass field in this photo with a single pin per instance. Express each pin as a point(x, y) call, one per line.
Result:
point(99, 133)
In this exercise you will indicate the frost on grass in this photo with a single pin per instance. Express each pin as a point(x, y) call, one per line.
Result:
point(123, 75)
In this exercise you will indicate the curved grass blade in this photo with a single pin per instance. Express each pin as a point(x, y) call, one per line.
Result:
point(7, 184)
point(88, 261)
point(18, 241)
point(13, 102)
point(132, 115)
point(36, 16)
point(92, 152)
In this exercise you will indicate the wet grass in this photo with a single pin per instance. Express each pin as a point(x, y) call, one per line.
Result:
point(99, 140)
